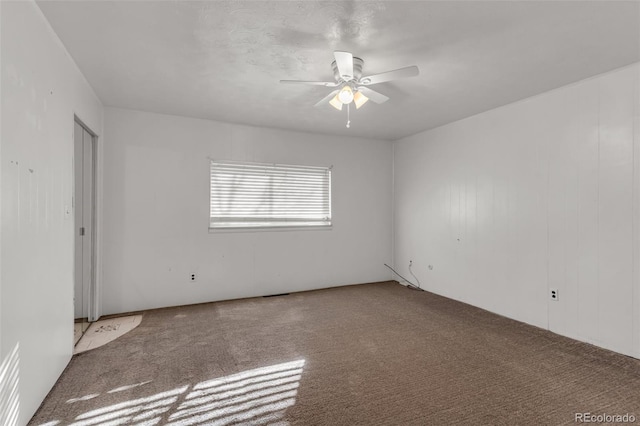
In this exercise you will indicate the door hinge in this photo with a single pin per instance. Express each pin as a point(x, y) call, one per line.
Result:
point(82, 231)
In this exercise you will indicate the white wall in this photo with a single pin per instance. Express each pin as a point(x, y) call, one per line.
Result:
point(156, 207)
point(535, 195)
point(42, 89)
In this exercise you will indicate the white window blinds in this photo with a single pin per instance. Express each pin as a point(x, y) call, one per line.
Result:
point(245, 195)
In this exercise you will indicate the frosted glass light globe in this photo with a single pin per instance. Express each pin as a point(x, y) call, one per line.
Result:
point(346, 95)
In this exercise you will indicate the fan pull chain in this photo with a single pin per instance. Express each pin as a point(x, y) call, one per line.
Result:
point(348, 119)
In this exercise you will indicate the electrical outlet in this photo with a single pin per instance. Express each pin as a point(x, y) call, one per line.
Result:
point(410, 263)
point(193, 277)
point(553, 293)
point(431, 267)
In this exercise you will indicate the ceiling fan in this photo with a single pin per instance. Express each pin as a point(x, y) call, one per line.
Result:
point(351, 85)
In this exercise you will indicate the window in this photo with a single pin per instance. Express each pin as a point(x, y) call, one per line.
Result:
point(254, 195)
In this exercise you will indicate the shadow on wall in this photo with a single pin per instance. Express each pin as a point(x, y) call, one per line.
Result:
point(257, 396)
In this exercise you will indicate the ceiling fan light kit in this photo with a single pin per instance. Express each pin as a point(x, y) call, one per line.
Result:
point(335, 102)
point(347, 73)
point(359, 99)
point(345, 95)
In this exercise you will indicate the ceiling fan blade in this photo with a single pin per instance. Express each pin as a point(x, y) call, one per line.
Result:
point(373, 95)
point(312, 83)
point(327, 98)
point(344, 62)
point(389, 75)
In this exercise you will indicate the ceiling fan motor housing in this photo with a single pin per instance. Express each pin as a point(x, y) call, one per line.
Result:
point(357, 71)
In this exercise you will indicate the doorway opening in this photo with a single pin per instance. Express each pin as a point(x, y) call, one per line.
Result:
point(84, 162)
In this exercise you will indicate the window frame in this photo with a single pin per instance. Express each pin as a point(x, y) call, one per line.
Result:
point(272, 224)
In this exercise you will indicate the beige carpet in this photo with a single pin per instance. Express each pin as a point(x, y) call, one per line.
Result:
point(376, 354)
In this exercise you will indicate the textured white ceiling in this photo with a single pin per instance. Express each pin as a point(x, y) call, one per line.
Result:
point(222, 60)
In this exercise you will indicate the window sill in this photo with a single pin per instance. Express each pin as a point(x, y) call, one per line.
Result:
point(235, 229)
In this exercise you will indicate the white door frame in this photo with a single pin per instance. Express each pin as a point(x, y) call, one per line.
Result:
point(93, 313)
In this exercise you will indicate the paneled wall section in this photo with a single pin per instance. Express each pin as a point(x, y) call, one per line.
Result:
point(537, 195)
point(42, 90)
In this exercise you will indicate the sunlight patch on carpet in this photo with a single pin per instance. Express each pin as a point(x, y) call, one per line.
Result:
point(257, 396)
